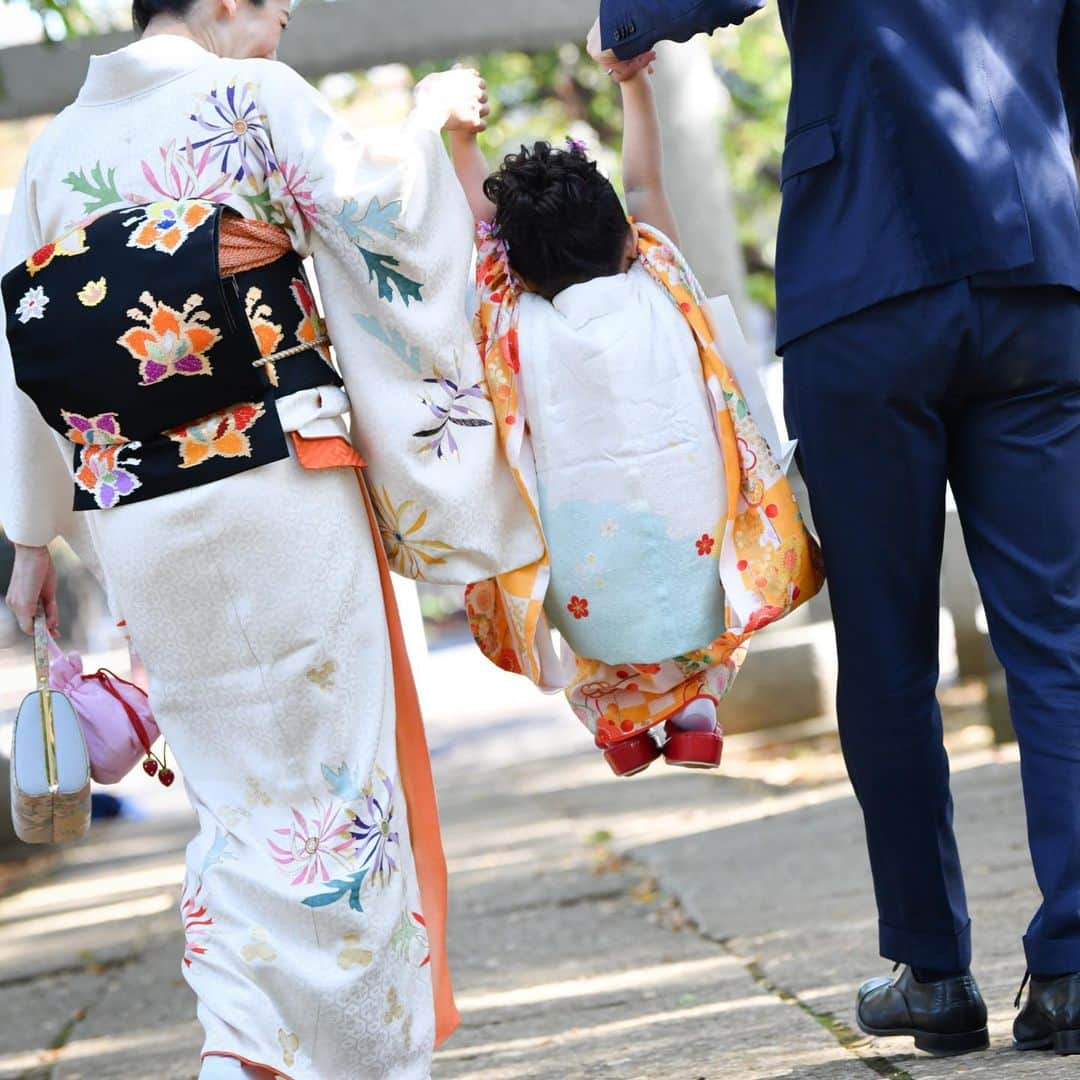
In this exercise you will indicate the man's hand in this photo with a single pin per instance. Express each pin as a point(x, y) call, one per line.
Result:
point(454, 100)
point(619, 70)
point(33, 583)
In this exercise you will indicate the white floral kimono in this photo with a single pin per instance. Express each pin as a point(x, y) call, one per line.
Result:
point(315, 887)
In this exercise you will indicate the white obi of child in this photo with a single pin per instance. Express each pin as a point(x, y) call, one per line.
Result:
point(629, 469)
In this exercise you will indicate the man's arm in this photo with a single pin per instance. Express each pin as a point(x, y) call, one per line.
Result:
point(1069, 67)
point(631, 27)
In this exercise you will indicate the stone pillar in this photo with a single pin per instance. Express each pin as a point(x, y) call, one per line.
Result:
point(692, 103)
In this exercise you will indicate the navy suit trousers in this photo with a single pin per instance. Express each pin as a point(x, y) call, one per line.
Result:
point(979, 388)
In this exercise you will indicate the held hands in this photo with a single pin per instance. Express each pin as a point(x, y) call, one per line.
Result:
point(619, 70)
point(33, 583)
point(454, 100)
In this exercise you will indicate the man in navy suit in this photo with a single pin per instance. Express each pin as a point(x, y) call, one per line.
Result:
point(928, 307)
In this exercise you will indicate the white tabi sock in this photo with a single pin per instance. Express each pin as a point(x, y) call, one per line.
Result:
point(699, 715)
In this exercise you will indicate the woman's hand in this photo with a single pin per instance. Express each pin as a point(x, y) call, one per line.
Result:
point(33, 584)
point(455, 100)
point(619, 70)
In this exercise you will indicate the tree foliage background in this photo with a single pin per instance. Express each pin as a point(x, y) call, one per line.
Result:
point(560, 92)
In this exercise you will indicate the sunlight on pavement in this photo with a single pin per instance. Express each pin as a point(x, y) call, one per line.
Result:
point(94, 916)
point(160, 1041)
point(79, 893)
point(638, 978)
point(615, 1027)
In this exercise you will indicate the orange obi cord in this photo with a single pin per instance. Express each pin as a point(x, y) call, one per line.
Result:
point(246, 245)
point(414, 762)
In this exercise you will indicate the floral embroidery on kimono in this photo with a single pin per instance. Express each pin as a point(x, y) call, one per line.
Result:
point(105, 475)
point(197, 924)
point(311, 843)
point(103, 430)
point(32, 305)
point(451, 405)
point(164, 226)
point(374, 834)
point(171, 342)
point(224, 434)
point(71, 243)
point(238, 138)
point(93, 292)
point(407, 552)
point(101, 471)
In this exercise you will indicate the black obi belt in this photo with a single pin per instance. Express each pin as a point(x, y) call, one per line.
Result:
point(161, 369)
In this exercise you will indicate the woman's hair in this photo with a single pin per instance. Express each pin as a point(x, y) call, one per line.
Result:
point(559, 217)
point(142, 11)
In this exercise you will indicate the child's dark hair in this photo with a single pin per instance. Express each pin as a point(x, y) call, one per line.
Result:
point(559, 217)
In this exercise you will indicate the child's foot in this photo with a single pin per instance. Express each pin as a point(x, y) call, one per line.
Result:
point(693, 739)
point(630, 756)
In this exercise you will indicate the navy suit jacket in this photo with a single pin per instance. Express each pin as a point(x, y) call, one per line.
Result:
point(927, 141)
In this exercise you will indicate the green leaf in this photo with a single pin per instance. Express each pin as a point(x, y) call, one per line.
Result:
point(392, 339)
point(381, 270)
point(338, 891)
point(263, 206)
point(376, 220)
point(100, 191)
point(341, 781)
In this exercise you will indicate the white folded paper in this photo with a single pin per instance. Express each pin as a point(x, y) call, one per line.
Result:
point(742, 363)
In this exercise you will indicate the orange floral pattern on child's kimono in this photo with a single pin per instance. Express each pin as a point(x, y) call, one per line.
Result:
point(767, 560)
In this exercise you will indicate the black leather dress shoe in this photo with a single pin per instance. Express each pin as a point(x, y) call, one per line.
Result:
point(1051, 1018)
point(946, 1017)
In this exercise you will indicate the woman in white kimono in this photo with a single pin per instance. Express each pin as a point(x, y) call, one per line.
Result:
point(314, 900)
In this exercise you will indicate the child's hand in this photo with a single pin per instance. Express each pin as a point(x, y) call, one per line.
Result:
point(619, 70)
point(457, 99)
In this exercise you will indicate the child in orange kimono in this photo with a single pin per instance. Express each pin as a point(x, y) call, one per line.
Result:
point(671, 532)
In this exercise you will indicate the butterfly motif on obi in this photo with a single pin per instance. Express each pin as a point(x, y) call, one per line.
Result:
point(170, 342)
point(101, 430)
point(222, 434)
point(101, 471)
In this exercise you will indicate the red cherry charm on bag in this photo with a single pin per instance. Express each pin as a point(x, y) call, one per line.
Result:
point(150, 766)
point(166, 776)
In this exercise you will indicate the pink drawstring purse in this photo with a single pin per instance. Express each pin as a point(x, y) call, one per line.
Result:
point(114, 715)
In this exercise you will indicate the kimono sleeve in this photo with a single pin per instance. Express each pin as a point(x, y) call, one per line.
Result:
point(390, 234)
point(36, 496)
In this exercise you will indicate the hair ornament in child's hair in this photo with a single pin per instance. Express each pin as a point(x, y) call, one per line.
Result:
point(577, 146)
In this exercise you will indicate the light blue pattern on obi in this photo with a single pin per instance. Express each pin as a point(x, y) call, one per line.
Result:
point(650, 596)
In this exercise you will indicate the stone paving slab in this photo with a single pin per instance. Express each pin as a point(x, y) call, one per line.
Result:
point(589, 975)
point(790, 893)
point(673, 927)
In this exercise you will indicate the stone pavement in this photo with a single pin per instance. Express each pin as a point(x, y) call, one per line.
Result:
point(672, 927)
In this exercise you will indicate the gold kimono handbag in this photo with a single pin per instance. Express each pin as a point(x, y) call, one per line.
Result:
point(50, 765)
